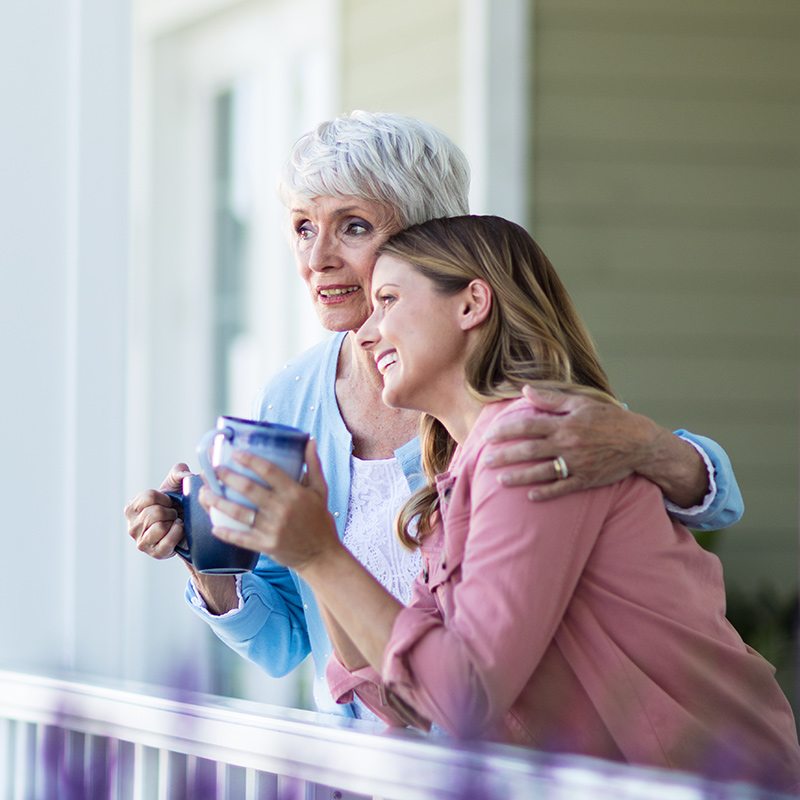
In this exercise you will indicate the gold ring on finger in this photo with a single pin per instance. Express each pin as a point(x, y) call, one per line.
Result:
point(560, 466)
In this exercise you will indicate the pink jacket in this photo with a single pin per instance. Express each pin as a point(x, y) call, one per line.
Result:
point(589, 624)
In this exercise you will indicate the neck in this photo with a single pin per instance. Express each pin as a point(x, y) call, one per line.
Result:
point(459, 413)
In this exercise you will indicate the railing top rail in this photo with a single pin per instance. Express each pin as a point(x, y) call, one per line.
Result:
point(356, 755)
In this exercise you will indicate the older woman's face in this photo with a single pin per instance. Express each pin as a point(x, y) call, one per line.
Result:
point(334, 240)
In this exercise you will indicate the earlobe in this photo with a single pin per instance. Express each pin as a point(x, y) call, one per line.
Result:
point(477, 304)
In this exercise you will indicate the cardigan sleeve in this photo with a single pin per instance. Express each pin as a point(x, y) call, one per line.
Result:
point(270, 627)
point(723, 505)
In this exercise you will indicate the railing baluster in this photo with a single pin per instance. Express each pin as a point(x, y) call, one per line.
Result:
point(25, 750)
point(36, 760)
point(221, 781)
point(191, 775)
point(163, 774)
point(6, 762)
point(138, 772)
point(113, 770)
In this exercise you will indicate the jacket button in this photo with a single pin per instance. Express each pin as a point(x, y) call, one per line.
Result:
point(425, 574)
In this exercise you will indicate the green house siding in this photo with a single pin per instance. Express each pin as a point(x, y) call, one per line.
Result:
point(666, 190)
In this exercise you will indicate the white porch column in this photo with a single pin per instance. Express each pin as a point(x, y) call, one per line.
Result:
point(495, 113)
point(65, 94)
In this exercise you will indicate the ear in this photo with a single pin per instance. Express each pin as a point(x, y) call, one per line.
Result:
point(477, 304)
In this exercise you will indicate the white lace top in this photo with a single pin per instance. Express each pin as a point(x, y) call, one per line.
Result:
point(377, 489)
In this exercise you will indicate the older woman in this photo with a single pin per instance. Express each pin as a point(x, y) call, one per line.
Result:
point(590, 624)
point(348, 186)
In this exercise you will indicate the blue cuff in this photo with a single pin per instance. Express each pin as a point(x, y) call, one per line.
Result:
point(269, 629)
point(723, 505)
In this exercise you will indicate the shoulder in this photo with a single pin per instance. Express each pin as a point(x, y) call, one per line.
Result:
point(303, 376)
point(309, 362)
point(468, 466)
point(501, 410)
point(491, 415)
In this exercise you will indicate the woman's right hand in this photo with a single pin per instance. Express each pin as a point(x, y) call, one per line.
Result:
point(153, 521)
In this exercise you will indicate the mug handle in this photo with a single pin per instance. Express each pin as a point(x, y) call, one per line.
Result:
point(205, 462)
point(183, 552)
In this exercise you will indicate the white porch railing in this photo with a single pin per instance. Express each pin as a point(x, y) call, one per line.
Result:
point(67, 740)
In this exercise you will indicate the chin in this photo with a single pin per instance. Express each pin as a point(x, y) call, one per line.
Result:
point(332, 321)
point(391, 399)
point(395, 399)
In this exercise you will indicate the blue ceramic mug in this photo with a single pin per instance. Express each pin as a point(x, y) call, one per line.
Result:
point(203, 550)
point(281, 444)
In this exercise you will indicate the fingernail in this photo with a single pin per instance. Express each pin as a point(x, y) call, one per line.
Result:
point(534, 495)
point(505, 480)
point(490, 459)
point(489, 435)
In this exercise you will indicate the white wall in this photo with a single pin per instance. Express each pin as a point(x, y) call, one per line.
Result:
point(64, 89)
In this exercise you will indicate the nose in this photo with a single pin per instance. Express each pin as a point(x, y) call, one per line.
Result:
point(368, 334)
point(324, 252)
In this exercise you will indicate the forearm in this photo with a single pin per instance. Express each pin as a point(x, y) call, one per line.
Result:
point(361, 610)
point(674, 465)
point(218, 591)
point(350, 656)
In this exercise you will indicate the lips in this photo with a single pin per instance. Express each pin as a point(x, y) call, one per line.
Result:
point(385, 360)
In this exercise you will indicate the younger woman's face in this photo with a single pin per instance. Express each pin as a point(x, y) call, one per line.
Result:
point(415, 337)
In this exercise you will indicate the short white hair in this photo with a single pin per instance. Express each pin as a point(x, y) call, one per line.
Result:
point(398, 161)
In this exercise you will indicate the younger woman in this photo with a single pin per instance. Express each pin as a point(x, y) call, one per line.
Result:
point(592, 623)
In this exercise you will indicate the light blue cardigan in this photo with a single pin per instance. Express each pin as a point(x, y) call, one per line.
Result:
point(278, 622)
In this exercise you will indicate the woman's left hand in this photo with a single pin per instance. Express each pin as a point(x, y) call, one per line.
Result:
point(292, 523)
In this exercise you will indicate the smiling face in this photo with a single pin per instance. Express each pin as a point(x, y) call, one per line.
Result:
point(334, 240)
point(418, 339)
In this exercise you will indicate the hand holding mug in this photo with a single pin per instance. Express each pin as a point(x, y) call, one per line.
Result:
point(292, 523)
point(154, 522)
point(280, 445)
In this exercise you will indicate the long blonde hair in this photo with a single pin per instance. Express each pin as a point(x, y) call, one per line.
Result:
point(532, 335)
